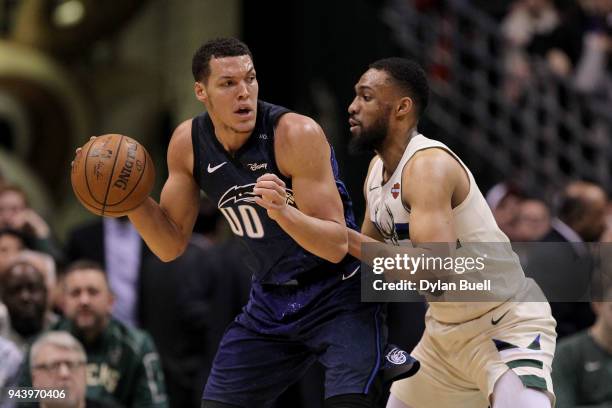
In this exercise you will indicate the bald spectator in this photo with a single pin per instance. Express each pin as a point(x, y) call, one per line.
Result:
point(123, 367)
point(23, 291)
point(16, 213)
point(46, 264)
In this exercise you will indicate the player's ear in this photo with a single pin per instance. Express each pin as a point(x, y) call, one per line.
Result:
point(200, 92)
point(405, 106)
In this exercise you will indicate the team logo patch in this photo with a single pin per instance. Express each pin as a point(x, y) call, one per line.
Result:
point(395, 190)
point(396, 356)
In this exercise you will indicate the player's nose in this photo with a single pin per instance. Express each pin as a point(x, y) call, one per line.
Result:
point(243, 90)
point(352, 109)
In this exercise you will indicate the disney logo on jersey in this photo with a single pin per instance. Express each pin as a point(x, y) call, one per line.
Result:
point(257, 166)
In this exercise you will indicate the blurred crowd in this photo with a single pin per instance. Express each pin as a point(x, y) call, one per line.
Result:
point(573, 37)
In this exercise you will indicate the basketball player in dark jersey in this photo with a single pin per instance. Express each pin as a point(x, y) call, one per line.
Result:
point(275, 179)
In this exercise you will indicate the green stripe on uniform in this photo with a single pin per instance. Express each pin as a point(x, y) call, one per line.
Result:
point(525, 362)
point(533, 381)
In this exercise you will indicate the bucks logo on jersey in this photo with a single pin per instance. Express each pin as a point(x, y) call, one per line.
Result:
point(385, 223)
point(239, 208)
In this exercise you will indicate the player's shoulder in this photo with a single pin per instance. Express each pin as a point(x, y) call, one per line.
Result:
point(183, 129)
point(180, 148)
point(432, 163)
point(294, 125)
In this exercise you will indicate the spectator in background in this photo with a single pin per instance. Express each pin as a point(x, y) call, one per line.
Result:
point(57, 362)
point(526, 19)
point(15, 213)
point(564, 47)
point(569, 267)
point(11, 242)
point(505, 201)
point(534, 220)
point(10, 358)
point(46, 264)
point(593, 74)
point(23, 291)
point(123, 366)
point(582, 368)
point(115, 244)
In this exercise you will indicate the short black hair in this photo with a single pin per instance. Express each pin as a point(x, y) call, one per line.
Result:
point(217, 48)
point(409, 75)
point(25, 238)
point(84, 264)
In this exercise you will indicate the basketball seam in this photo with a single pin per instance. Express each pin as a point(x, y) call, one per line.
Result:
point(108, 211)
point(87, 178)
point(137, 182)
point(110, 179)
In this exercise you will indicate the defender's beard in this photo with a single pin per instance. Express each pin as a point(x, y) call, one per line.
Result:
point(370, 139)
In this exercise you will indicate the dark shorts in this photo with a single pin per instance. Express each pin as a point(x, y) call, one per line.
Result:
point(252, 370)
point(272, 343)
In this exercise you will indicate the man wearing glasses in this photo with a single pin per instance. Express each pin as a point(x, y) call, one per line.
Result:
point(123, 367)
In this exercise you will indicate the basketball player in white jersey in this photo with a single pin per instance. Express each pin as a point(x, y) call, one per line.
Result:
point(473, 354)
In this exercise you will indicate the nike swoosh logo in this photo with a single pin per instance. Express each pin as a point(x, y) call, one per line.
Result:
point(373, 188)
point(352, 274)
point(213, 169)
point(494, 322)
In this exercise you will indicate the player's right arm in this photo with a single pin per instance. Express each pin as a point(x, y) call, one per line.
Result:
point(166, 227)
point(368, 233)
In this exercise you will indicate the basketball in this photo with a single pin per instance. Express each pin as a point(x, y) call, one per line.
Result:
point(113, 175)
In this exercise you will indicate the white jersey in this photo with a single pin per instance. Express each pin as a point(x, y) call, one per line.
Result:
point(473, 222)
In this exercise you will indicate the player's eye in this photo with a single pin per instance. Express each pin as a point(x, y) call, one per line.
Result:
point(251, 78)
point(228, 83)
point(367, 98)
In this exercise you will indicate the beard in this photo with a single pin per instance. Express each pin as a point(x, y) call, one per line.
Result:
point(370, 139)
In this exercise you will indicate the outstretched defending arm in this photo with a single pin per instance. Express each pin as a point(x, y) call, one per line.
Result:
point(166, 227)
point(303, 154)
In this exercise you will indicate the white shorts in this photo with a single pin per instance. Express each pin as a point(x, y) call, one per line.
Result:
point(460, 363)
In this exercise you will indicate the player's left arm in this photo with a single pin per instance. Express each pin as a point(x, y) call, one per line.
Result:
point(303, 154)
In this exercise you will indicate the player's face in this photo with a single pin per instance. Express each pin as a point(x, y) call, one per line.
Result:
point(87, 300)
point(231, 91)
point(370, 111)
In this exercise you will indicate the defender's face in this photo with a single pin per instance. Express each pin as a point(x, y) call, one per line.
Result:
point(369, 112)
point(231, 92)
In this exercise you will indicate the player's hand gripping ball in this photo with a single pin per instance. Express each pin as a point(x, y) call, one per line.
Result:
point(112, 175)
point(270, 193)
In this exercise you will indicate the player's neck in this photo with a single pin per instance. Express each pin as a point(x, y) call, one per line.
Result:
point(602, 336)
point(230, 139)
point(393, 149)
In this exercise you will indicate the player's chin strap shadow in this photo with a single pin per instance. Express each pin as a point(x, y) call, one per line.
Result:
point(398, 364)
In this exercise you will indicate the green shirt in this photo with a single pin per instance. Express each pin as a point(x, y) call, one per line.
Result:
point(582, 373)
point(123, 367)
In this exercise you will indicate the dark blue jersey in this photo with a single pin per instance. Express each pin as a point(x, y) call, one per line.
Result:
point(228, 180)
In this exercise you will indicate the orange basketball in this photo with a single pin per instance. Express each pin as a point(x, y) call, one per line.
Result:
point(113, 175)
